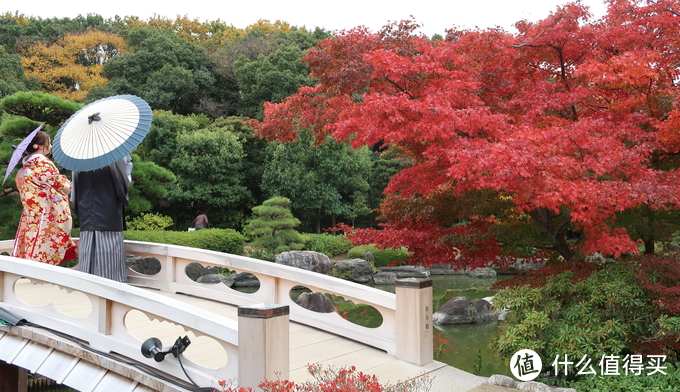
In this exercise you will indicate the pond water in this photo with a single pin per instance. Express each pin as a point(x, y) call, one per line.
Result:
point(465, 346)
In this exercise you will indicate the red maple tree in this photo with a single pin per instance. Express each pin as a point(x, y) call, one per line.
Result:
point(569, 120)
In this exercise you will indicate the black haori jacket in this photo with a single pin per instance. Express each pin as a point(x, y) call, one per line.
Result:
point(99, 196)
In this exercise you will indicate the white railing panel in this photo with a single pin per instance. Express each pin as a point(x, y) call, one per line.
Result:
point(105, 329)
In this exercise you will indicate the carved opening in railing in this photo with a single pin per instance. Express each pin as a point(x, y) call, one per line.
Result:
point(72, 303)
point(203, 350)
point(240, 281)
point(143, 265)
point(361, 314)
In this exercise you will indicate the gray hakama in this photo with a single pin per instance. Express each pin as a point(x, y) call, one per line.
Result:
point(102, 253)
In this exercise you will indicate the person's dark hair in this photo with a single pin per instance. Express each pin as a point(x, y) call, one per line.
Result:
point(41, 138)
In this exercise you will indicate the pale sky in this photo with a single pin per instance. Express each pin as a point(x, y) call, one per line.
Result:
point(434, 15)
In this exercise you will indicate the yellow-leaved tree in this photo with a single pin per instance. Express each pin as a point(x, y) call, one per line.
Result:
point(73, 65)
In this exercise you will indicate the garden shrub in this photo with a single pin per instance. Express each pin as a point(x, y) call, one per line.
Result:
point(611, 311)
point(657, 382)
point(220, 240)
point(383, 257)
point(10, 212)
point(330, 379)
point(330, 245)
point(150, 222)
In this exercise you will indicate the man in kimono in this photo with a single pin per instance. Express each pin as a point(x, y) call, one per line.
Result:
point(99, 198)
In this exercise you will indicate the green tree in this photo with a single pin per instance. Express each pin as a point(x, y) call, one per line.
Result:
point(270, 78)
point(168, 72)
point(254, 160)
point(160, 143)
point(149, 186)
point(320, 180)
point(39, 106)
point(208, 164)
point(273, 227)
point(12, 77)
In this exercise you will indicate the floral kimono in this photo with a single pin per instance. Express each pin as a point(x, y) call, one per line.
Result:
point(44, 232)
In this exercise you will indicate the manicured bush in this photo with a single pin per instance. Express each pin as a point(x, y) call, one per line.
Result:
point(150, 222)
point(330, 245)
point(383, 257)
point(220, 240)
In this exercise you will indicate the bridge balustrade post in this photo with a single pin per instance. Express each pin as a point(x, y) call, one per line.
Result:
point(414, 320)
point(263, 344)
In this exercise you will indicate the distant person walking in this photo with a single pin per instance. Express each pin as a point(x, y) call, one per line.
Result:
point(200, 222)
point(99, 197)
point(44, 232)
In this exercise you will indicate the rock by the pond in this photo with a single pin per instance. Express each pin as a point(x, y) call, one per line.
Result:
point(384, 278)
point(502, 381)
point(407, 271)
point(460, 310)
point(483, 273)
point(355, 270)
point(217, 278)
point(368, 256)
point(306, 260)
point(455, 311)
point(448, 269)
point(317, 302)
point(143, 265)
point(533, 386)
point(245, 279)
point(482, 311)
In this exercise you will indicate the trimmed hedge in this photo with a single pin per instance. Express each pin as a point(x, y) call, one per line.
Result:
point(383, 257)
point(220, 240)
point(330, 245)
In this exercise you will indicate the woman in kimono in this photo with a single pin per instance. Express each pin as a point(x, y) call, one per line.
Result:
point(44, 232)
point(98, 200)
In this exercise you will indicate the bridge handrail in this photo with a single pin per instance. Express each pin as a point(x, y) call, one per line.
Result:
point(405, 332)
point(104, 329)
point(276, 282)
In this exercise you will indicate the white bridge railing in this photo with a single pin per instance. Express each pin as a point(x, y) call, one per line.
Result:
point(406, 329)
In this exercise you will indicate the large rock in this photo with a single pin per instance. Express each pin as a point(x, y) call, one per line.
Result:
point(355, 270)
point(407, 271)
point(483, 273)
point(245, 279)
point(217, 278)
point(385, 278)
point(145, 265)
point(448, 269)
point(455, 311)
point(317, 302)
point(306, 260)
point(533, 386)
point(502, 381)
point(482, 311)
point(194, 271)
point(460, 310)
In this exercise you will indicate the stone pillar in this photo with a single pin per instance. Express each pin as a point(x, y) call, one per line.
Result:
point(414, 320)
point(263, 344)
point(13, 378)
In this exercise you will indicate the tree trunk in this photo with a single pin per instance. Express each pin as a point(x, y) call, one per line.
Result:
point(318, 221)
point(544, 218)
point(649, 246)
point(333, 224)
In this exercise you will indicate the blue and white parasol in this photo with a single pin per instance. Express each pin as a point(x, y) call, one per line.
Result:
point(101, 133)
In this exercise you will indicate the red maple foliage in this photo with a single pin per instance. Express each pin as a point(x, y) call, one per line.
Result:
point(568, 119)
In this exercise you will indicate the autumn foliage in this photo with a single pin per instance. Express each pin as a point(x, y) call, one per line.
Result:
point(572, 121)
point(331, 379)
